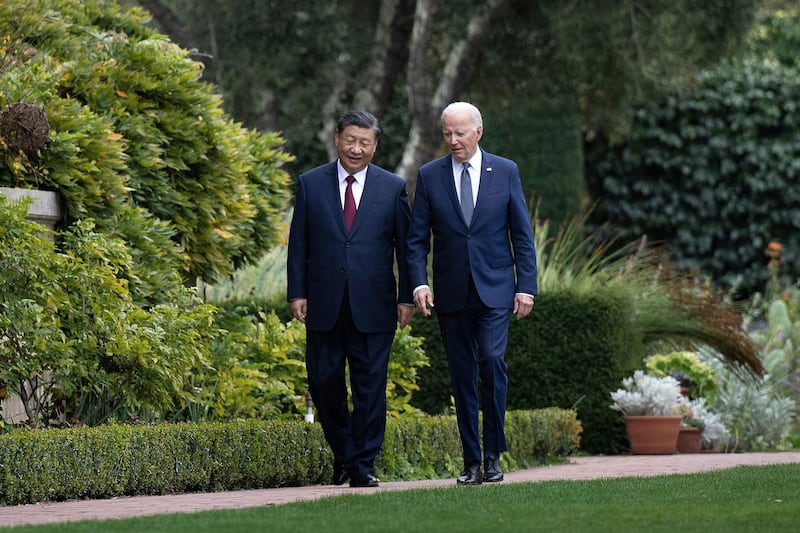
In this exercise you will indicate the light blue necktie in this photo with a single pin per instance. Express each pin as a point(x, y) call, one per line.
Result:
point(466, 195)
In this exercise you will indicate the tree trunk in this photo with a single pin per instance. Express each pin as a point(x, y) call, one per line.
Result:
point(166, 19)
point(425, 135)
point(389, 56)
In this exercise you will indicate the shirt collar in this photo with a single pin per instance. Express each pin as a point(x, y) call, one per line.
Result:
point(474, 162)
point(360, 176)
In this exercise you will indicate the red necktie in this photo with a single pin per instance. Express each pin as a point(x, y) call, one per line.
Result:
point(349, 204)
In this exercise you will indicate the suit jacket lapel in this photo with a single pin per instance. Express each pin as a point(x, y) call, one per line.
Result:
point(331, 191)
point(486, 176)
point(450, 185)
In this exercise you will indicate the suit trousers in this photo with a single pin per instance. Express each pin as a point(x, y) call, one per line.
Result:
point(475, 341)
point(354, 437)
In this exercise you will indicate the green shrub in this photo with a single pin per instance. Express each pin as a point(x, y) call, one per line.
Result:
point(119, 460)
point(430, 447)
point(75, 346)
point(257, 370)
point(712, 172)
point(571, 351)
point(114, 460)
point(138, 141)
point(758, 417)
point(701, 375)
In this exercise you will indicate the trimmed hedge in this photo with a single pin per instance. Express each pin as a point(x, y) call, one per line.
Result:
point(571, 352)
point(116, 460)
point(123, 460)
point(427, 448)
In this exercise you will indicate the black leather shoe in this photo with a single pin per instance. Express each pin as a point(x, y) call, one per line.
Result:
point(491, 470)
point(365, 481)
point(340, 475)
point(470, 476)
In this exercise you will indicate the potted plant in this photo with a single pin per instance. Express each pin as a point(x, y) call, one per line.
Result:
point(698, 377)
point(651, 408)
point(691, 429)
point(714, 435)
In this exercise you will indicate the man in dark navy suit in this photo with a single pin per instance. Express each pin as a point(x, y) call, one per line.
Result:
point(484, 269)
point(347, 234)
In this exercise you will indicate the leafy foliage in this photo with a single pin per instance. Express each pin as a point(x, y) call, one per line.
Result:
point(116, 460)
point(73, 344)
point(139, 142)
point(712, 172)
point(757, 417)
point(257, 370)
point(701, 376)
point(127, 460)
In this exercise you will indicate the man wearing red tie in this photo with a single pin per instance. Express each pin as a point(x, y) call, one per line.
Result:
point(348, 232)
point(484, 269)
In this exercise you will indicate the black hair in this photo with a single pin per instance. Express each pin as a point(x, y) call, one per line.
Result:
point(360, 119)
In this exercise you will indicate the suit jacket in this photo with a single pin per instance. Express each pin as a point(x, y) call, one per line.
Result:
point(497, 249)
point(324, 259)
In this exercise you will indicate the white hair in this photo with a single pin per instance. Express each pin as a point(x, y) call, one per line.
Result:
point(474, 114)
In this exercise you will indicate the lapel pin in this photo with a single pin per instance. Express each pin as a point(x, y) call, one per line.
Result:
point(488, 169)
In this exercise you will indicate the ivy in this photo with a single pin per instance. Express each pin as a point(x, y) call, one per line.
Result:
point(712, 171)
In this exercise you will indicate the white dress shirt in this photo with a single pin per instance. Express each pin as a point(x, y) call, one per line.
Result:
point(358, 185)
point(474, 172)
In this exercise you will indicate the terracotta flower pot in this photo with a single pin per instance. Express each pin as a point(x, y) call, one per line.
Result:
point(653, 435)
point(689, 440)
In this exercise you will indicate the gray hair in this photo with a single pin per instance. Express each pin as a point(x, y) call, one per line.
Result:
point(476, 119)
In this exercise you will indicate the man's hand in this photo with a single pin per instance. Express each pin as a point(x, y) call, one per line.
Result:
point(523, 305)
point(423, 299)
point(404, 314)
point(299, 309)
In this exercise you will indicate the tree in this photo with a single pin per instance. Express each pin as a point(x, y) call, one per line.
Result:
point(587, 60)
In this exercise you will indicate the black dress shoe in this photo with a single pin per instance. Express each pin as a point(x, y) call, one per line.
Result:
point(470, 476)
point(491, 470)
point(340, 475)
point(365, 481)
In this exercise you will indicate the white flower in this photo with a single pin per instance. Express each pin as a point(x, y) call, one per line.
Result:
point(644, 394)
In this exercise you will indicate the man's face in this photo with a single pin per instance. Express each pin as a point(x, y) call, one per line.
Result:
point(460, 135)
point(355, 147)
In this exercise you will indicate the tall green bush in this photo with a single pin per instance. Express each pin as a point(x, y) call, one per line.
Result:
point(73, 343)
point(569, 354)
point(257, 370)
point(712, 171)
point(138, 141)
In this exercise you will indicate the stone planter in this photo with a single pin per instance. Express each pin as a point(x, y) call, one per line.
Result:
point(653, 435)
point(46, 209)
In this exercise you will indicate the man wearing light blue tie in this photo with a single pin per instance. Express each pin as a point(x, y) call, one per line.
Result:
point(484, 269)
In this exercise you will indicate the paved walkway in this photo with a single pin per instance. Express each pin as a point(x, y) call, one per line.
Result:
point(578, 468)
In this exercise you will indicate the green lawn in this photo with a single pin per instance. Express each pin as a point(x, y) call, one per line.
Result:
point(747, 498)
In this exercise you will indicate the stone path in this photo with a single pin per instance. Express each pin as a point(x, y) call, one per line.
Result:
point(577, 468)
